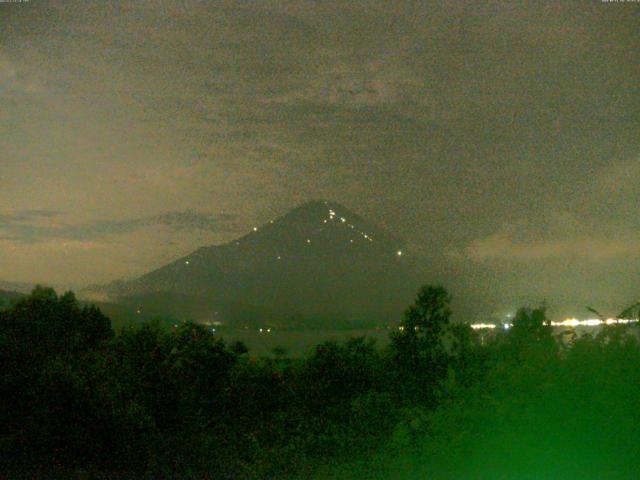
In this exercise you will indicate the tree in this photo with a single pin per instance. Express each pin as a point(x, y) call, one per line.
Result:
point(469, 359)
point(417, 348)
point(45, 343)
point(531, 328)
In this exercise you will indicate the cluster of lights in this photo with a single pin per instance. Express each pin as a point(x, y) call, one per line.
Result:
point(482, 326)
point(402, 328)
point(593, 322)
point(569, 322)
point(366, 236)
point(265, 330)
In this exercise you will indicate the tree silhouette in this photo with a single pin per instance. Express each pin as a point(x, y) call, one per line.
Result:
point(417, 348)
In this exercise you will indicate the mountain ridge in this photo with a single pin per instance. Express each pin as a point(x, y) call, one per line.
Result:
point(318, 260)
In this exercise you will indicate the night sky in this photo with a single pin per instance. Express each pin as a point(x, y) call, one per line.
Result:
point(500, 139)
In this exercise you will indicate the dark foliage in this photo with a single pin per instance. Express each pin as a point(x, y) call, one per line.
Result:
point(77, 400)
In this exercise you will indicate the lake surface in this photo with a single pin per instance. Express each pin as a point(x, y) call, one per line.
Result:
point(301, 342)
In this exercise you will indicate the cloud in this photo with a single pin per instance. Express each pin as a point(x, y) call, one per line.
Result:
point(15, 80)
point(499, 247)
point(374, 83)
point(442, 119)
point(28, 226)
point(620, 177)
point(561, 235)
point(22, 216)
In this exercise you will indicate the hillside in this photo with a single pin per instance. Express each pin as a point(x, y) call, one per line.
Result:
point(319, 265)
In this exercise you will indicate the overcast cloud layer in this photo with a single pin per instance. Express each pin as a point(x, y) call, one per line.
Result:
point(500, 138)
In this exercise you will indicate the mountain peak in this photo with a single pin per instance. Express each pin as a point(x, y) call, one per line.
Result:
point(320, 222)
point(315, 207)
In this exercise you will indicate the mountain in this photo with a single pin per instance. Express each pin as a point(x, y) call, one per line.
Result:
point(23, 287)
point(319, 265)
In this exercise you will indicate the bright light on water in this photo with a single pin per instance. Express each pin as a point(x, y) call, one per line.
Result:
point(569, 322)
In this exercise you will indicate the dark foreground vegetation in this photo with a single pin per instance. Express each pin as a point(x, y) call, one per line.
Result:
point(79, 401)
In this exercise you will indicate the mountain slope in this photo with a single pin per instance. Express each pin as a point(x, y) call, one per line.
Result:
point(320, 263)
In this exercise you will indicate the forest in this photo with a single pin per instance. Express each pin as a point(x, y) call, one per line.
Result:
point(439, 401)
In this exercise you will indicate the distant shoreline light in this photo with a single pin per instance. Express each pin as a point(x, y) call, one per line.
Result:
point(569, 322)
